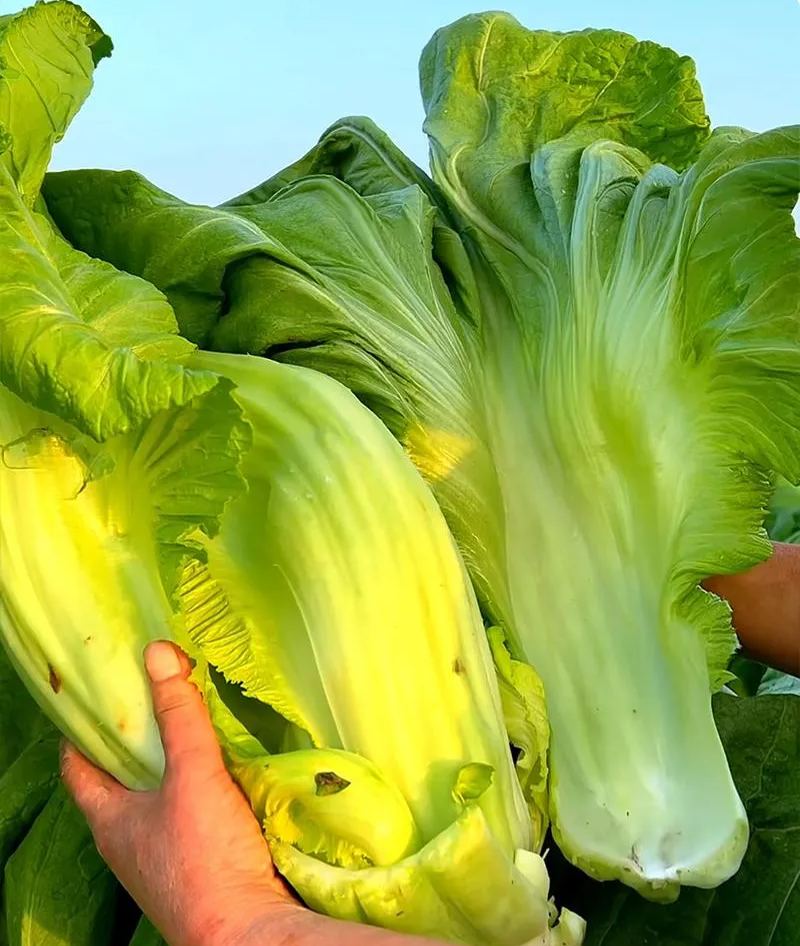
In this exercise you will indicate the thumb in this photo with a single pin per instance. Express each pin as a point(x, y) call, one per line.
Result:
point(190, 746)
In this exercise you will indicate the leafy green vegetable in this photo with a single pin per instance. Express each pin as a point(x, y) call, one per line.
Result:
point(760, 906)
point(406, 811)
point(105, 437)
point(57, 888)
point(584, 332)
point(73, 632)
point(582, 328)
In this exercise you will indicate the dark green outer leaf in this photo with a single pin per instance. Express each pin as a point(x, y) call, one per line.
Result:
point(147, 935)
point(760, 906)
point(183, 250)
point(57, 889)
point(356, 151)
point(21, 720)
point(747, 675)
point(24, 789)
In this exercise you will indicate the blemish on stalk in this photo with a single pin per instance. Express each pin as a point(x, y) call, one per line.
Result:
point(458, 667)
point(55, 680)
point(87, 640)
point(25, 452)
point(329, 783)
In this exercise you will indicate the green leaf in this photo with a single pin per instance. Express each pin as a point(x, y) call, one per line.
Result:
point(67, 322)
point(147, 935)
point(47, 56)
point(184, 250)
point(21, 720)
point(760, 906)
point(25, 787)
point(525, 715)
point(357, 152)
point(746, 675)
point(114, 458)
point(783, 521)
point(495, 92)
point(57, 888)
point(774, 681)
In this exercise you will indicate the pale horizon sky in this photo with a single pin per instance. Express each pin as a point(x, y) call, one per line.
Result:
point(209, 98)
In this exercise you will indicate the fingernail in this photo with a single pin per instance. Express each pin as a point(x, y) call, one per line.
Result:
point(161, 661)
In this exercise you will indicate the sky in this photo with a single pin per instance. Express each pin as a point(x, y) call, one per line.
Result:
point(209, 98)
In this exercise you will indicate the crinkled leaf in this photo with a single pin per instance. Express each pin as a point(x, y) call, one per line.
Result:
point(80, 339)
point(495, 92)
point(113, 459)
point(182, 249)
point(357, 152)
point(525, 715)
point(47, 56)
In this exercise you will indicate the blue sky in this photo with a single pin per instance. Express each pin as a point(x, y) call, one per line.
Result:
point(208, 98)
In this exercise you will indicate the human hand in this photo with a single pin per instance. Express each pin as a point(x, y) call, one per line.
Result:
point(766, 607)
point(191, 854)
